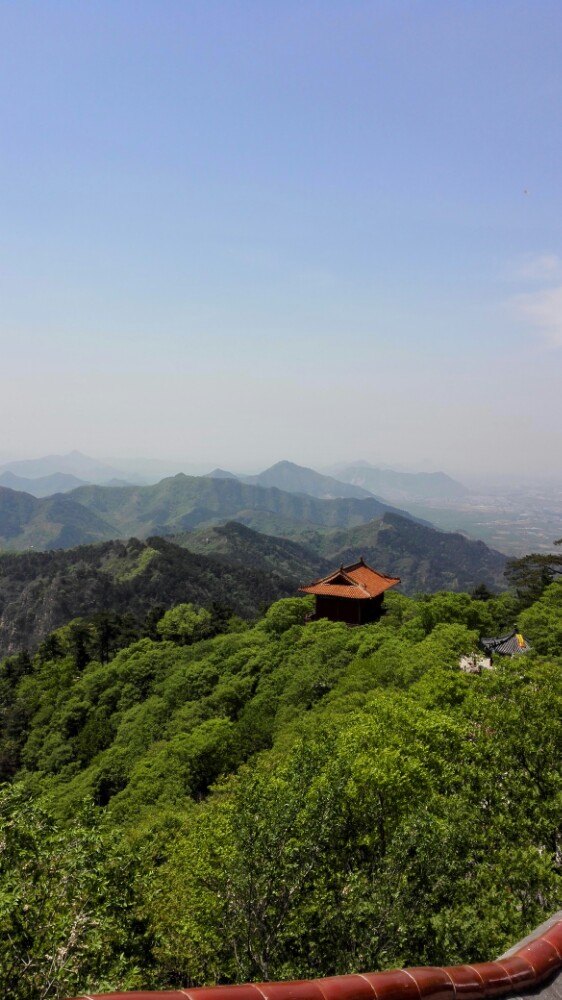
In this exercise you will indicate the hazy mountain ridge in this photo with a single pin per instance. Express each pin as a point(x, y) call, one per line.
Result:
point(75, 463)
point(222, 474)
point(294, 478)
point(184, 502)
point(40, 591)
point(402, 486)
point(514, 524)
point(42, 486)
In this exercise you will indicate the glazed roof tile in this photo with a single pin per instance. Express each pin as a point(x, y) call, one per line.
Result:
point(357, 581)
point(335, 590)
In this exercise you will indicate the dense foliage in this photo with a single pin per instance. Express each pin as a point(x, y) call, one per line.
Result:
point(68, 903)
point(529, 575)
point(278, 800)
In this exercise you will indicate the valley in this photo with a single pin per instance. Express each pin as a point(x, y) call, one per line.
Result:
point(516, 520)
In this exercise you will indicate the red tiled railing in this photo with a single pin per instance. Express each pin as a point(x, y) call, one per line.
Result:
point(522, 969)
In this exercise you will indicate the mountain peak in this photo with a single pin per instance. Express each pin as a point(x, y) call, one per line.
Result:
point(293, 478)
point(221, 474)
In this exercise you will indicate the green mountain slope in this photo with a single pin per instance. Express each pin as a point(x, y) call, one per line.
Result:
point(425, 559)
point(184, 502)
point(266, 553)
point(231, 564)
point(39, 591)
point(298, 479)
point(52, 522)
point(99, 513)
point(262, 799)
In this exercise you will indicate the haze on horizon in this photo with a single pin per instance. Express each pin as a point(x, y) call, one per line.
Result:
point(235, 233)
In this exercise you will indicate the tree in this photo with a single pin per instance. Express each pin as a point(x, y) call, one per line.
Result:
point(51, 648)
point(79, 637)
point(542, 622)
point(316, 787)
point(150, 628)
point(283, 614)
point(68, 922)
point(184, 624)
point(530, 575)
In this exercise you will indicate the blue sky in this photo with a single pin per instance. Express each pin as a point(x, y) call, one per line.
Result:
point(243, 231)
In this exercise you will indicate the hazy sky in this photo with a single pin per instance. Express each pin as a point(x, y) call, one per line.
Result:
point(245, 231)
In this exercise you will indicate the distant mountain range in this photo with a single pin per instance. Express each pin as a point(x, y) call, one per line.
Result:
point(40, 591)
point(399, 487)
point(306, 520)
point(98, 513)
point(140, 471)
point(285, 526)
point(43, 486)
point(73, 464)
point(297, 479)
point(222, 474)
point(359, 480)
point(184, 502)
point(425, 558)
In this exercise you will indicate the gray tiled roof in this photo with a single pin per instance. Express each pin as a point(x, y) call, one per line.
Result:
point(506, 645)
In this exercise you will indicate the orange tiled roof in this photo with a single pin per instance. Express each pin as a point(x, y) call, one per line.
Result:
point(357, 581)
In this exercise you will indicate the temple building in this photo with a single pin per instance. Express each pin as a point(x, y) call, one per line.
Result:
point(352, 594)
point(512, 644)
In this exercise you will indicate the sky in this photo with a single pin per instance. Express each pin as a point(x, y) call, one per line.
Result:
point(241, 231)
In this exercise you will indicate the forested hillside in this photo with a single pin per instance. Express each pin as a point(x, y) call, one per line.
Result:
point(41, 590)
point(56, 522)
point(232, 565)
point(267, 553)
point(184, 502)
point(99, 513)
point(424, 558)
point(223, 802)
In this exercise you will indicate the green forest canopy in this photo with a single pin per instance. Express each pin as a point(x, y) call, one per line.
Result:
point(216, 801)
